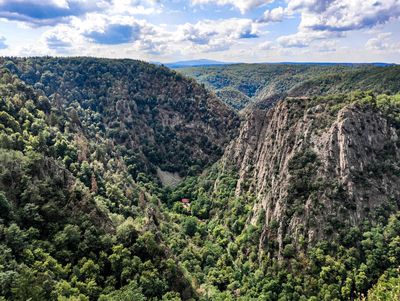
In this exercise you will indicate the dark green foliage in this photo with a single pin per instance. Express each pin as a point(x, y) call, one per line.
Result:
point(5, 207)
point(241, 85)
point(302, 168)
point(190, 225)
point(69, 222)
point(126, 293)
point(81, 217)
point(231, 266)
point(142, 108)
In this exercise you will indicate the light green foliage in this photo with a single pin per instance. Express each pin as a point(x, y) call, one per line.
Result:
point(127, 293)
point(241, 85)
point(55, 244)
point(386, 289)
point(82, 217)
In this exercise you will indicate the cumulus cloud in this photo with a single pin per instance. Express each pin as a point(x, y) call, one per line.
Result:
point(135, 7)
point(83, 35)
point(326, 19)
point(303, 39)
point(46, 12)
point(115, 34)
point(350, 15)
point(3, 44)
point(153, 45)
point(111, 30)
point(267, 45)
point(53, 12)
point(326, 46)
point(217, 35)
point(77, 24)
point(383, 42)
point(61, 39)
point(315, 6)
point(56, 43)
point(202, 36)
point(242, 5)
point(141, 36)
point(274, 15)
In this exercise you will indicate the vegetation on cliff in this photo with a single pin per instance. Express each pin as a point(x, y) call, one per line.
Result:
point(83, 216)
point(243, 85)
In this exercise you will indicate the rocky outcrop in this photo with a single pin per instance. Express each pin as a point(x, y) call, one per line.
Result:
point(316, 167)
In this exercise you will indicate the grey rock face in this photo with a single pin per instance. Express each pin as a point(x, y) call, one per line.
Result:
point(315, 168)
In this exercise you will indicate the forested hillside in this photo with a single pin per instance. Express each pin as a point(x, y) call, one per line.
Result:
point(80, 143)
point(241, 85)
point(74, 223)
point(152, 115)
point(303, 205)
point(298, 202)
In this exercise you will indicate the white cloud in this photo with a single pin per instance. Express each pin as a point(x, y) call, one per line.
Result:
point(326, 46)
point(327, 19)
point(383, 42)
point(211, 35)
point(53, 12)
point(305, 38)
point(47, 12)
point(242, 5)
point(339, 15)
point(267, 45)
point(153, 46)
point(135, 7)
point(61, 39)
point(139, 35)
point(3, 44)
point(315, 6)
point(274, 15)
point(123, 27)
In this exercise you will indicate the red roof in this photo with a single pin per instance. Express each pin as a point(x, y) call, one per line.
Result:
point(185, 201)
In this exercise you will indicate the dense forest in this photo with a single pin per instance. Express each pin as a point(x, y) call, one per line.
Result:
point(152, 114)
point(241, 85)
point(85, 213)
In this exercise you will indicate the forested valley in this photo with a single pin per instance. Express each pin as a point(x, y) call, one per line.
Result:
point(122, 180)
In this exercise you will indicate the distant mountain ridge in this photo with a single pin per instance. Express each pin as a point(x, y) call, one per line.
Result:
point(377, 64)
point(242, 85)
point(207, 62)
point(194, 63)
point(296, 199)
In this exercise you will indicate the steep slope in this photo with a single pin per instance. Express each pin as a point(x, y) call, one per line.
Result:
point(297, 208)
point(250, 85)
point(249, 81)
point(163, 119)
point(329, 161)
point(373, 78)
point(303, 205)
point(73, 221)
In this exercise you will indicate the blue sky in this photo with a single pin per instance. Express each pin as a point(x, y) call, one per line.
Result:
point(228, 30)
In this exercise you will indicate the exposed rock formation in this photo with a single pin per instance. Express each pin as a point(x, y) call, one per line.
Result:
point(315, 167)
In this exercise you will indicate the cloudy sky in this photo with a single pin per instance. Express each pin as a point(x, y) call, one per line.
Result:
point(228, 30)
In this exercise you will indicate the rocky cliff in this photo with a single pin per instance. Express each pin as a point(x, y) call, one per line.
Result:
point(316, 166)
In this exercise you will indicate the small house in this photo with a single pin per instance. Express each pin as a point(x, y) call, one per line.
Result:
point(185, 202)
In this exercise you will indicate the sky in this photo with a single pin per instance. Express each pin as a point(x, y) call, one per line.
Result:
point(224, 30)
